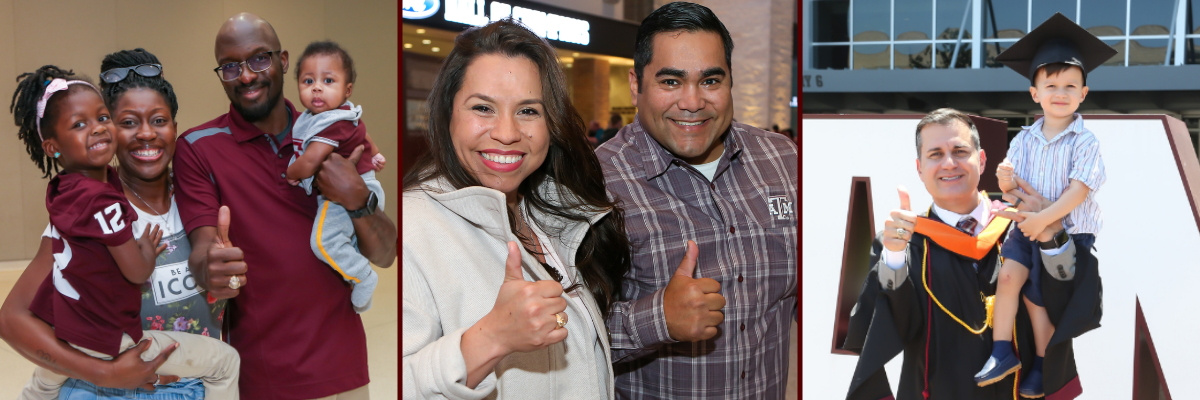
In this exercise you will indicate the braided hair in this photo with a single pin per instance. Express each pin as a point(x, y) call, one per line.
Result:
point(133, 58)
point(30, 88)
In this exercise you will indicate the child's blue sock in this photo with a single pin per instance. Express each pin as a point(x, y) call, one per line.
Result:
point(1001, 349)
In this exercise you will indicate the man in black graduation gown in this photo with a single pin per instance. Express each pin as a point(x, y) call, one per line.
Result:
point(952, 251)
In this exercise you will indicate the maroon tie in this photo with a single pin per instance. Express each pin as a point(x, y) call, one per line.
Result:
point(967, 225)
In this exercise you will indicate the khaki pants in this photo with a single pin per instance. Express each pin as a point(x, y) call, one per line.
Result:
point(356, 394)
point(212, 361)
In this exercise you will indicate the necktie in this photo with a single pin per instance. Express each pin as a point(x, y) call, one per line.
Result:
point(967, 225)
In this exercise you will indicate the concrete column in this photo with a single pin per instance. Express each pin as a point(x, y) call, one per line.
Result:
point(762, 57)
point(591, 89)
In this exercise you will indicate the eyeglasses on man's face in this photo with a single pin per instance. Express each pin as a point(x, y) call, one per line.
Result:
point(257, 63)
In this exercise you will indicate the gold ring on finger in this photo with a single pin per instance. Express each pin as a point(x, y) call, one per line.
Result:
point(562, 319)
point(900, 232)
point(235, 282)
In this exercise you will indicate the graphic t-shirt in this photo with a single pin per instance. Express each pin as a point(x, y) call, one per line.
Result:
point(171, 300)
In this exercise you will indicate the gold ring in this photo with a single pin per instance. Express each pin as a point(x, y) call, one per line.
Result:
point(235, 282)
point(562, 319)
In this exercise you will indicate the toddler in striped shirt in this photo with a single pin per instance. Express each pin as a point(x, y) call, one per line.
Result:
point(1060, 159)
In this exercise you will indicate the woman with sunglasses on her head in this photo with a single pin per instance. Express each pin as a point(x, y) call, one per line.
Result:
point(143, 107)
point(512, 251)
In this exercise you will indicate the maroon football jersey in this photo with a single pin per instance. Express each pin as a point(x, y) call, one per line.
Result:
point(86, 297)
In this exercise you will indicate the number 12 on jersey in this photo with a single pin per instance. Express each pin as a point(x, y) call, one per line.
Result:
point(115, 222)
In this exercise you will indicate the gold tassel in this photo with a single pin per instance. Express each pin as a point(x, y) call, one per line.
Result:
point(989, 304)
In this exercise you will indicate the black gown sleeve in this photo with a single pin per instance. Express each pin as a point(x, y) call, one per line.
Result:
point(880, 324)
point(1074, 307)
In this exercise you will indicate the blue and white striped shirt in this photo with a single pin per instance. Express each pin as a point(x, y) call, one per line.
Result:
point(1049, 166)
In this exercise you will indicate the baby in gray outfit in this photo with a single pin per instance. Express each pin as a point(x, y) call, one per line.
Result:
point(331, 124)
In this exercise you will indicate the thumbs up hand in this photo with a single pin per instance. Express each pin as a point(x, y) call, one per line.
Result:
point(692, 306)
point(524, 317)
point(226, 270)
point(902, 218)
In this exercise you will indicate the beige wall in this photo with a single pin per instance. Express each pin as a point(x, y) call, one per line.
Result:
point(77, 34)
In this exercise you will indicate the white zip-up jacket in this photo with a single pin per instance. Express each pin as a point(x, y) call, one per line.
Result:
point(454, 249)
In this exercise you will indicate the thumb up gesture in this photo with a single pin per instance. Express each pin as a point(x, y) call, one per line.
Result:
point(692, 306)
point(527, 314)
point(224, 262)
point(899, 225)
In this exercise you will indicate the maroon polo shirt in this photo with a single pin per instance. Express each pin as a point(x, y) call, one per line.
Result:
point(86, 298)
point(293, 324)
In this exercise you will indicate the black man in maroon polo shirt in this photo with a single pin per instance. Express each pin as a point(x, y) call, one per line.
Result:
point(293, 324)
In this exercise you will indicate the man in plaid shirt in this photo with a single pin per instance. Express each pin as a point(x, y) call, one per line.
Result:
point(710, 213)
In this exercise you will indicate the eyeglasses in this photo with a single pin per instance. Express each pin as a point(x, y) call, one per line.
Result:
point(258, 63)
point(118, 74)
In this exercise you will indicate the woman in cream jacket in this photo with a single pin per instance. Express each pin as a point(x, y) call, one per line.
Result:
point(512, 251)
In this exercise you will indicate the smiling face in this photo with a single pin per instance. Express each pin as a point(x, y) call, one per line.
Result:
point(950, 166)
point(498, 124)
point(323, 83)
point(82, 130)
point(253, 94)
point(685, 101)
point(1059, 94)
point(145, 133)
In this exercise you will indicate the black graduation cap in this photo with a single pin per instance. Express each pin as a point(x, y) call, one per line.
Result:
point(1058, 40)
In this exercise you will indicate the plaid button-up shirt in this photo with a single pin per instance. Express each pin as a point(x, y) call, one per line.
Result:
point(744, 223)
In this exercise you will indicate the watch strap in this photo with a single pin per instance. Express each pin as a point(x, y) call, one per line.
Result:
point(368, 209)
point(1057, 241)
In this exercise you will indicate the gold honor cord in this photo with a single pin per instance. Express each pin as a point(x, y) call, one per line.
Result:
point(989, 301)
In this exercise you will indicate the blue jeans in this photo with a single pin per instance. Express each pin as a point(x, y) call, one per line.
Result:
point(188, 389)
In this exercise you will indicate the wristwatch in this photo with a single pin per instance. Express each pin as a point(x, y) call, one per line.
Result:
point(372, 203)
point(1059, 240)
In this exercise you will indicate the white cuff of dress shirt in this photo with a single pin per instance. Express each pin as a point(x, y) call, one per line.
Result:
point(895, 259)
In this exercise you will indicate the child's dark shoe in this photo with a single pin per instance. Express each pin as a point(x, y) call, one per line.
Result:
point(997, 368)
point(1031, 385)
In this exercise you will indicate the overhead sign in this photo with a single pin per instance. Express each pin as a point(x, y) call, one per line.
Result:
point(549, 25)
point(420, 9)
point(566, 29)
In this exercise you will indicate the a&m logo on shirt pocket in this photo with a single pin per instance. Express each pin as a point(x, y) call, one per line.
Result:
point(780, 207)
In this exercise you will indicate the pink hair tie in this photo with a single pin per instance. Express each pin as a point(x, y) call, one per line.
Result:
point(56, 85)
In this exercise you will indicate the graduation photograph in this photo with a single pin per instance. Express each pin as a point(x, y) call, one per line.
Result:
point(996, 196)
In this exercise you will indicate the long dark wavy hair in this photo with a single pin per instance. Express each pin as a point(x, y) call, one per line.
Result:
point(603, 257)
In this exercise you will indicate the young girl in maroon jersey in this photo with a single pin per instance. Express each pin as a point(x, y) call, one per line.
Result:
point(93, 296)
